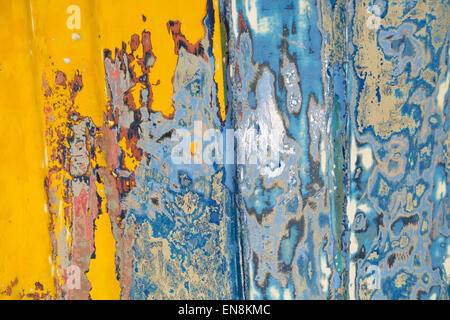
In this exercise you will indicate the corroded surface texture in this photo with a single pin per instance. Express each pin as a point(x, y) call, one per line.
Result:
point(398, 203)
point(353, 98)
point(172, 223)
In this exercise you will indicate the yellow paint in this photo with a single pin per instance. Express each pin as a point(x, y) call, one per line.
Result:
point(136, 93)
point(118, 21)
point(100, 272)
point(217, 51)
point(130, 161)
point(100, 157)
point(35, 39)
point(24, 241)
point(54, 42)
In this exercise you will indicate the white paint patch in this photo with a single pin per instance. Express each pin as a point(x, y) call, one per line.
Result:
point(287, 295)
point(365, 153)
point(447, 266)
point(271, 172)
point(373, 281)
point(234, 17)
point(323, 158)
point(66, 60)
point(258, 24)
point(443, 89)
point(304, 7)
point(353, 155)
point(351, 210)
point(274, 294)
point(51, 263)
point(366, 157)
point(325, 273)
point(364, 207)
point(271, 131)
point(353, 243)
point(304, 10)
point(76, 36)
point(351, 283)
point(254, 294)
point(441, 190)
